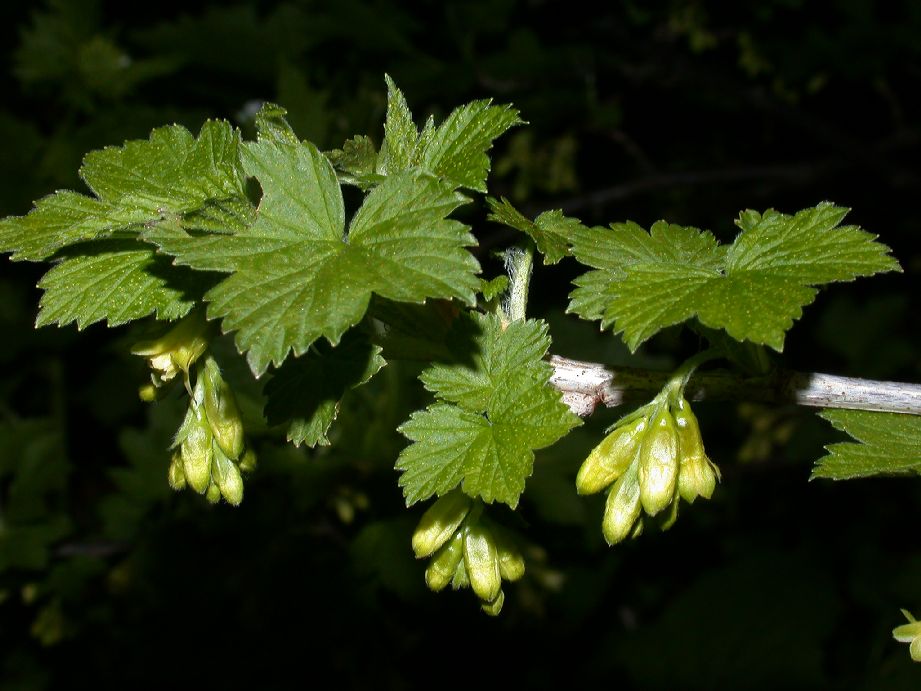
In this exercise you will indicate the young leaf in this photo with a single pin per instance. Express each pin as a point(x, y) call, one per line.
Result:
point(117, 281)
point(295, 274)
point(754, 288)
point(455, 151)
point(493, 413)
point(551, 230)
point(171, 173)
point(355, 163)
point(886, 443)
point(305, 392)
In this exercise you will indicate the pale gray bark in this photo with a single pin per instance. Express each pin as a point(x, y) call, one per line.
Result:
point(586, 385)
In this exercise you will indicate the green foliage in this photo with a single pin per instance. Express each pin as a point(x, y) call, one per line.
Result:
point(551, 230)
point(315, 536)
point(297, 275)
point(305, 392)
point(754, 288)
point(491, 414)
point(886, 444)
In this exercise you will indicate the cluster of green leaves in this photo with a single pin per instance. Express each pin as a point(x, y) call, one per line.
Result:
point(171, 223)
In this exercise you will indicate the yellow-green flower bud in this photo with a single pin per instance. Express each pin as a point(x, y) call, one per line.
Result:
point(697, 474)
point(493, 608)
point(227, 476)
point(176, 474)
point(248, 461)
point(148, 393)
point(658, 462)
point(909, 633)
point(622, 508)
point(697, 477)
point(177, 349)
point(439, 522)
point(511, 561)
point(442, 567)
point(196, 451)
point(611, 458)
point(222, 411)
point(482, 562)
point(213, 494)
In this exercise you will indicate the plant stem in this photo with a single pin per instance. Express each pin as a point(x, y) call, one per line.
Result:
point(519, 261)
point(588, 384)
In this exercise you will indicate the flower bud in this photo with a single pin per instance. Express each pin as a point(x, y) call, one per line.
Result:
point(511, 561)
point(482, 562)
point(213, 494)
point(248, 461)
point(622, 507)
point(222, 411)
point(658, 466)
point(444, 564)
point(176, 474)
point(439, 522)
point(909, 633)
point(148, 393)
point(196, 451)
point(227, 476)
point(697, 474)
point(611, 458)
point(495, 606)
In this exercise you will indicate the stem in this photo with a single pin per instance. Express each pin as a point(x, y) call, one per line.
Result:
point(519, 261)
point(586, 384)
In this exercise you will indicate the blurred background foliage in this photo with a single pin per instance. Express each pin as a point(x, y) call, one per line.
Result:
point(637, 110)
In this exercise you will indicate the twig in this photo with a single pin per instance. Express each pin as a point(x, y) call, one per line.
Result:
point(587, 384)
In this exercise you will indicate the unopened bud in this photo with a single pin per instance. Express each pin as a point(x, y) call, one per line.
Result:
point(658, 463)
point(196, 450)
point(442, 567)
point(611, 458)
point(248, 461)
point(622, 508)
point(495, 606)
point(213, 494)
point(148, 393)
point(482, 562)
point(176, 474)
point(697, 474)
point(227, 476)
point(222, 411)
point(511, 561)
point(439, 522)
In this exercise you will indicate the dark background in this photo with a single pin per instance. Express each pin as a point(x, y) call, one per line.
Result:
point(680, 112)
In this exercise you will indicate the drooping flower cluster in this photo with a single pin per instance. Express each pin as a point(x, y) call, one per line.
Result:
point(651, 458)
point(466, 550)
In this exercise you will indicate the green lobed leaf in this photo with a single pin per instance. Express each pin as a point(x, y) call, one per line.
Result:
point(117, 281)
point(754, 288)
point(456, 150)
point(171, 173)
point(551, 230)
point(886, 444)
point(297, 276)
point(493, 412)
point(306, 391)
